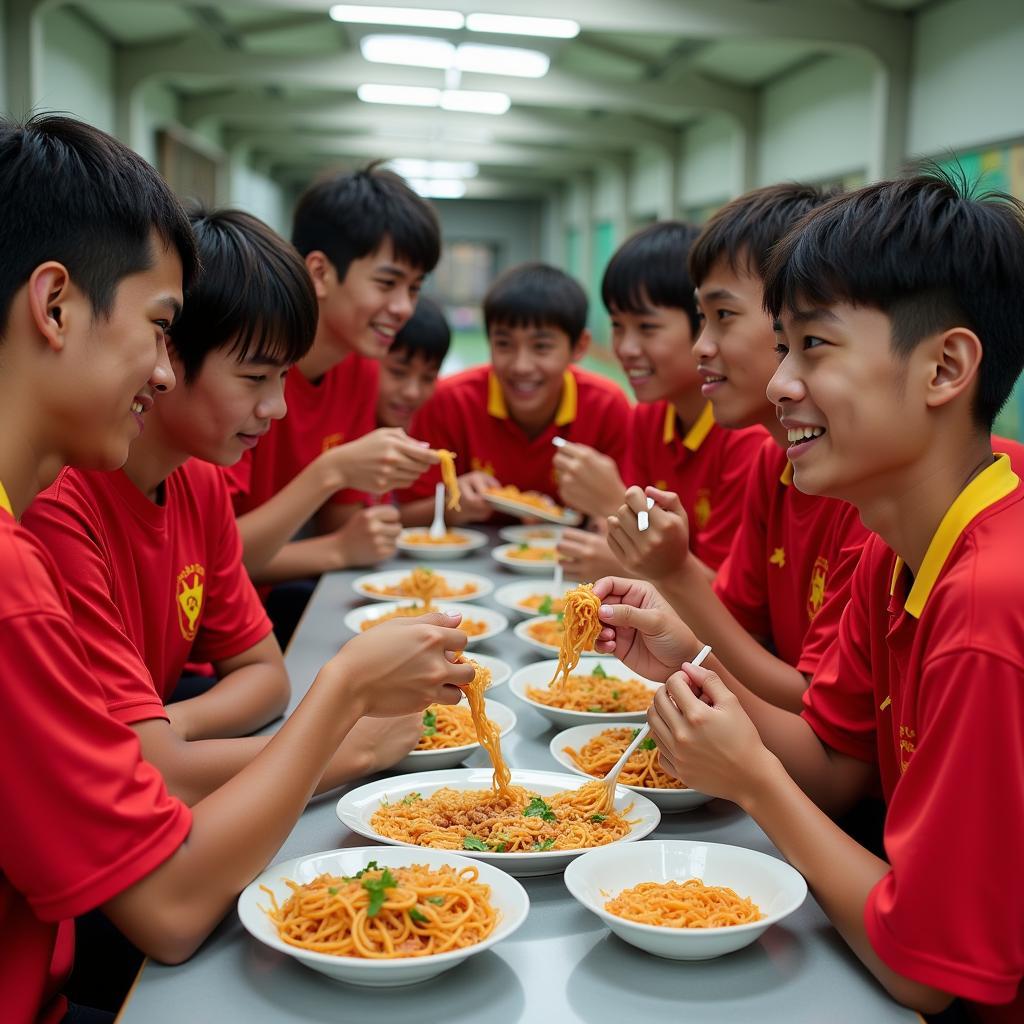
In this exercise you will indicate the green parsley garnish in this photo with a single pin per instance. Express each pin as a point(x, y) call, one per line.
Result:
point(599, 672)
point(500, 847)
point(648, 744)
point(598, 817)
point(411, 798)
point(371, 866)
point(545, 606)
point(595, 707)
point(332, 890)
point(429, 722)
point(546, 845)
point(377, 888)
point(615, 694)
point(524, 546)
point(472, 843)
point(537, 808)
point(438, 901)
point(418, 915)
point(560, 617)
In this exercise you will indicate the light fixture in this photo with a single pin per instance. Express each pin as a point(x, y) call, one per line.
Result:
point(429, 52)
point(404, 95)
point(517, 25)
point(416, 17)
point(438, 188)
point(475, 101)
point(411, 168)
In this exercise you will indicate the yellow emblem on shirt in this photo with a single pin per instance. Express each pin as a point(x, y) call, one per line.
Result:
point(190, 599)
point(702, 508)
point(816, 591)
point(479, 466)
point(778, 558)
point(331, 441)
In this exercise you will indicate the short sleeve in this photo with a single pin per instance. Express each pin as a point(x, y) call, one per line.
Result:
point(239, 480)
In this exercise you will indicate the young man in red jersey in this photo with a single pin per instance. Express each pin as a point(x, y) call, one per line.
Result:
point(93, 252)
point(899, 310)
point(674, 443)
point(500, 419)
point(774, 607)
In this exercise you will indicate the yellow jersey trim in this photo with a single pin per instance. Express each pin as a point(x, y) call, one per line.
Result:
point(991, 485)
point(786, 477)
point(567, 407)
point(5, 502)
point(496, 398)
point(698, 433)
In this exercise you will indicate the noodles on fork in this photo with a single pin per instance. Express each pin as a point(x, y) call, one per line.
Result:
point(580, 630)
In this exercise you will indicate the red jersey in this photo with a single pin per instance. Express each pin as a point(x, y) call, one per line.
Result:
point(151, 586)
point(340, 407)
point(84, 816)
point(707, 467)
point(467, 414)
point(787, 577)
point(927, 679)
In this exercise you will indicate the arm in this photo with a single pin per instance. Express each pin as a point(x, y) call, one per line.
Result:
point(588, 480)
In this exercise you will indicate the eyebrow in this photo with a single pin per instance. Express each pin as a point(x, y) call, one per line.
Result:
point(816, 313)
point(717, 295)
point(171, 303)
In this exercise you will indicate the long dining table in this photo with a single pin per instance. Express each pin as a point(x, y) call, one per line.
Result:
point(563, 964)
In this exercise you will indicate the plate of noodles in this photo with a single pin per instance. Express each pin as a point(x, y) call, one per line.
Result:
point(530, 598)
point(449, 736)
point(683, 899)
point(533, 559)
point(530, 505)
point(535, 534)
point(417, 543)
point(479, 623)
point(544, 633)
point(421, 912)
point(600, 689)
point(592, 750)
point(544, 824)
point(421, 583)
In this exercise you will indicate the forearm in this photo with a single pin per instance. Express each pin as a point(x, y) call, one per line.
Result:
point(417, 513)
point(692, 598)
point(839, 871)
point(301, 559)
point(333, 516)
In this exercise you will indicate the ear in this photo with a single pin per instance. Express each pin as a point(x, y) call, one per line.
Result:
point(955, 359)
point(49, 295)
point(322, 271)
point(582, 346)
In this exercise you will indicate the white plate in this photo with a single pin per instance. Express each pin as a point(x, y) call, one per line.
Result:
point(513, 508)
point(539, 674)
point(501, 555)
point(495, 621)
point(511, 594)
point(392, 577)
point(450, 757)
point(772, 884)
point(538, 533)
point(440, 552)
point(500, 670)
point(507, 896)
point(356, 808)
point(521, 630)
point(666, 799)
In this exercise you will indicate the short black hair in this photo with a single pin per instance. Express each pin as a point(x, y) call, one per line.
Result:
point(536, 295)
point(349, 216)
point(74, 194)
point(745, 230)
point(253, 295)
point(650, 269)
point(928, 254)
point(425, 334)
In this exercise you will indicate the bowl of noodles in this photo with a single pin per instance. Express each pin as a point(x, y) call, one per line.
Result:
point(478, 623)
point(592, 750)
point(544, 633)
point(543, 825)
point(416, 542)
point(421, 583)
point(530, 599)
point(416, 913)
point(683, 899)
point(530, 505)
point(532, 559)
point(535, 533)
point(449, 736)
point(599, 690)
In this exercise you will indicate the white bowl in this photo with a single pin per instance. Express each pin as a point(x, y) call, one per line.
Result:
point(500, 670)
point(356, 808)
point(567, 517)
point(538, 533)
point(522, 630)
point(496, 622)
point(501, 555)
point(772, 884)
point(507, 896)
point(511, 594)
point(668, 800)
point(539, 674)
point(392, 577)
point(440, 552)
point(450, 757)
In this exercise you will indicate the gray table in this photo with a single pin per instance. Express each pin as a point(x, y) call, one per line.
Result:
point(562, 965)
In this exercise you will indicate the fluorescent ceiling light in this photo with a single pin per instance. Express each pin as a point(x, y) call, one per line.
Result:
point(475, 101)
point(414, 16)
point(428, 52)
point(514, 24)
point(439, 188)
point(406, 95)
point(410, 168)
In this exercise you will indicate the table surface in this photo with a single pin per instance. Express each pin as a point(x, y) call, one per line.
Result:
point(563, 964)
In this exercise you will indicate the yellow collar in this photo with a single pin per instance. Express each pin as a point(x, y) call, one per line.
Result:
point(988, 487)
point(696, 435)
point(566, 412)
point(786, 477)
point(5, 502)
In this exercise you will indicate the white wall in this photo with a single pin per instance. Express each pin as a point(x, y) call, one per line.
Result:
point(263, 197)
point(650, 184)
point(968, 82)
point(712, 162)
point(78, 69)
point(815, 123)
point(514, 227)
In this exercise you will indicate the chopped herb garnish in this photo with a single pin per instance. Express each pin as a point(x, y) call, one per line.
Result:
point(332, 890)
point(636, 732)
point(472, 843)
point(500, 848)
point(438, 901)
point(429, 722)
point(595, 707)
point(377, 888)
point(598, 817)
point(560, 617)
point(411, 798)
point(537, 808)
point(545, 606)
point(615, 694)
point(418, 915)
point(371, 866)
point(599, 672)
point(546, 845)
point(648, 744)
point(524, 546)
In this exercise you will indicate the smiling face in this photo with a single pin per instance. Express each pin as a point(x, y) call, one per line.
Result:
point(405, 383)
point(365, 310)
point(655, 348)
point(735, 350)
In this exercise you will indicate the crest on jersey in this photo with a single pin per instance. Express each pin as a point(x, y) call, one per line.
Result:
point(331, 441)
point(816, 591)
point(189, 599)
point(702, 508)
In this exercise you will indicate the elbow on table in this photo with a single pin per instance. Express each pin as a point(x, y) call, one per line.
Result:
point(922, 998)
